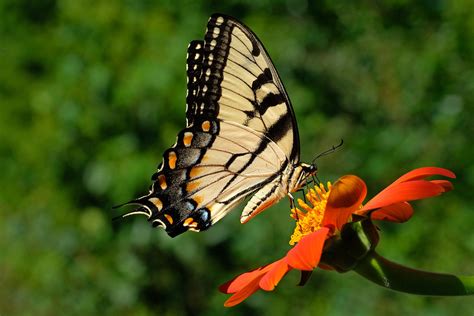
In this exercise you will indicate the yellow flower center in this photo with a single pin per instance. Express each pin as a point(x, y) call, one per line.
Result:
point(310, 218)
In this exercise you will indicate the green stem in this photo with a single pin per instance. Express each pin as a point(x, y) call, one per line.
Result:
point(399, 278)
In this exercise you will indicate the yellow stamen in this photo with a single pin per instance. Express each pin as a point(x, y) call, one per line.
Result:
point(310, 218)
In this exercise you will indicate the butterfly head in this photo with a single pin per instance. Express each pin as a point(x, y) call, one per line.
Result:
point(303, 173)
point(306, 173)
point(308, 170)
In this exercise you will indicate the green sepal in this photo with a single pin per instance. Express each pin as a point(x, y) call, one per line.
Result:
point(343, 251)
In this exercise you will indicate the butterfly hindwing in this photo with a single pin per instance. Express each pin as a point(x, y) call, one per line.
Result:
point(196, 179)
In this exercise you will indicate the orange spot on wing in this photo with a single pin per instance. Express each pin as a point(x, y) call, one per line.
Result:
point(169, 218)
point(162, 182)
point(191, 186)
point(172, 159)
point(187, 138)
point(157, 202)
point(188, 221)
point(206, 126)
point(198, 199)
point(195, 171)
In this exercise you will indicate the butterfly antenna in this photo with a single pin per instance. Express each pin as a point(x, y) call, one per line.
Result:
point(329, 151)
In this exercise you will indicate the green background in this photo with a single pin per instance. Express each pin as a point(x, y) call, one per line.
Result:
point(92, 93)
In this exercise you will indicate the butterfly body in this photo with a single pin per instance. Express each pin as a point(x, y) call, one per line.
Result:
point(241, 137)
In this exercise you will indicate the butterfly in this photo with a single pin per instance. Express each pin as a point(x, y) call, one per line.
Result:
point(240, 140)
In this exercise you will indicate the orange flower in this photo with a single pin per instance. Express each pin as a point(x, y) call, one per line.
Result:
point(319, 225)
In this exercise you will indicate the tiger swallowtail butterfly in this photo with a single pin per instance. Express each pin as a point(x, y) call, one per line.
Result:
point(240, 139)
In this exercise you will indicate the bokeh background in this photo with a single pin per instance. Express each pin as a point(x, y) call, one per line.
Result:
point(92, 93)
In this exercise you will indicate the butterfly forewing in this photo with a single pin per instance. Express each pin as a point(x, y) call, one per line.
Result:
point(239, 78)
point(240, 135)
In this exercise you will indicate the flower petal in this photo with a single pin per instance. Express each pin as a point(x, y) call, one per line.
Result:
point(240, 281)
point(243, 293)
point(399, 213)
point(272, 277)
point(306, 254)
point(447, 186)
point(425, 172)
point(346, 195)
point(404, 191)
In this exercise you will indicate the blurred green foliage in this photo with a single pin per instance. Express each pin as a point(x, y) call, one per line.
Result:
point(92, 93)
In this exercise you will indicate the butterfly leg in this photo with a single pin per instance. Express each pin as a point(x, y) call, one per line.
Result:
point(293, 208)
point(292, 201)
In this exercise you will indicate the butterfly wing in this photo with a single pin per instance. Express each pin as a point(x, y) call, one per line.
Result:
point(239, 83)
point(241, 132)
